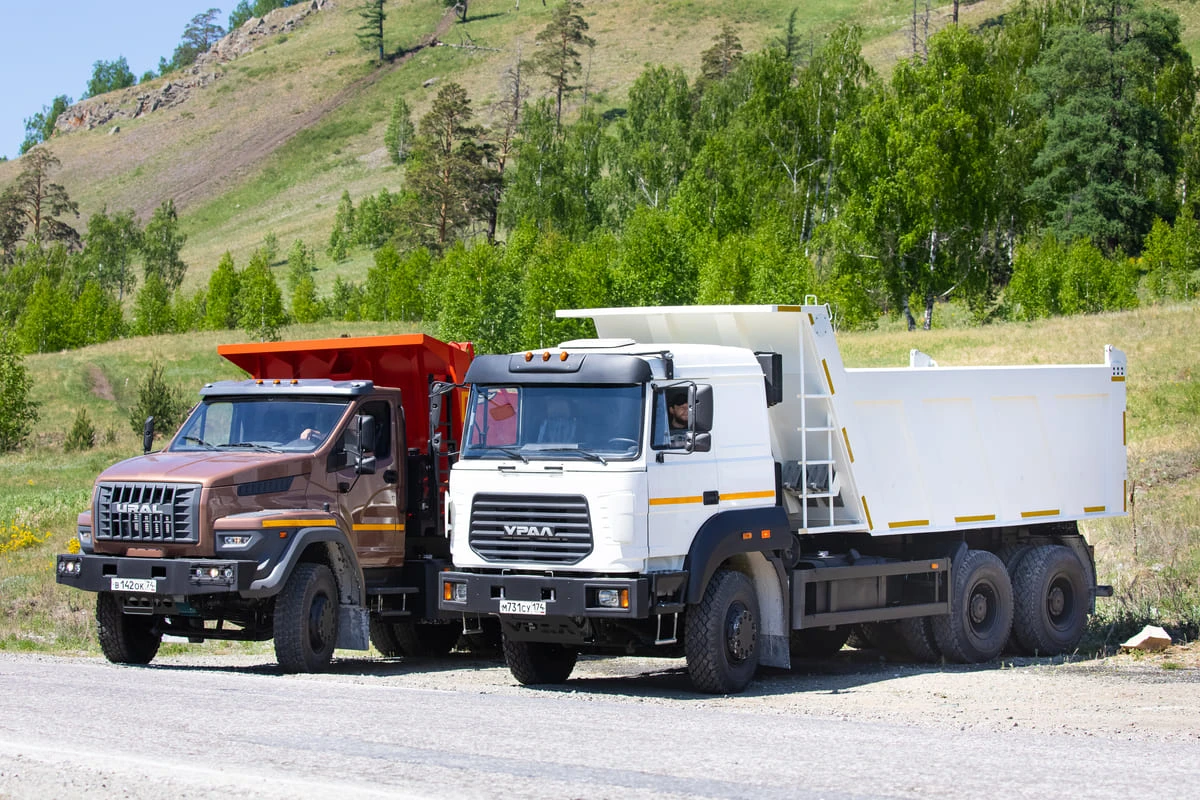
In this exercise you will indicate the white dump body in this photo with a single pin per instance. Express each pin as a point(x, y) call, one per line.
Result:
point(919, 448)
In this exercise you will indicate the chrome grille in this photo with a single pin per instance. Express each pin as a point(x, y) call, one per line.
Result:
point(536, 529)
point(148, 512)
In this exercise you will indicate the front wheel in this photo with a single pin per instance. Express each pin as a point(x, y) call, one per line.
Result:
point(125, 638)
point(532, 663)
point(306, 619)
point(721, 631)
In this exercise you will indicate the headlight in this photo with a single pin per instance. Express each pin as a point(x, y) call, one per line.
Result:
point(454, 592)
point(612, 598)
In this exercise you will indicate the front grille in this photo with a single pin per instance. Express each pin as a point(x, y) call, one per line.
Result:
point(148, 512)
point(536, 529)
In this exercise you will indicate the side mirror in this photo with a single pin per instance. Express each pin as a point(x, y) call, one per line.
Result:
point(700, 442)
point(702, 409)
point(364, 464)
point(148, 435)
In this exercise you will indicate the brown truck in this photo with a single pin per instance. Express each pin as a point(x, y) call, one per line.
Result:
point(302, 505)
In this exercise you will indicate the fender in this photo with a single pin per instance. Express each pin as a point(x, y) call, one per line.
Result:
point(339, 555)
point(727, 533)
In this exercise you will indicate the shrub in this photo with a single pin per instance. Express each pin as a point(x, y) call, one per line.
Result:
point(83, 433)
point(156, 399)
point(18, 412)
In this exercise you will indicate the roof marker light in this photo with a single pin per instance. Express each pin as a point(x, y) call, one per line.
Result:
point(546, 355)
point(528, 356)
point(562, 356)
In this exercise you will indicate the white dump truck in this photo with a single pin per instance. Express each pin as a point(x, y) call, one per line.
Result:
point(711, 482)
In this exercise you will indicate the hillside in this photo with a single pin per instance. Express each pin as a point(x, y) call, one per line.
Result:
point(267, 141)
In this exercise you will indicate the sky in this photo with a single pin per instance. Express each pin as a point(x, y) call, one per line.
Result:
point(48, 49)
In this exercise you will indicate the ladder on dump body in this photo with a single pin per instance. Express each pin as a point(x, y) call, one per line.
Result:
point(818, 479)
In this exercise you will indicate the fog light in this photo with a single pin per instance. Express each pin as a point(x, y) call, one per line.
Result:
point(214, 572)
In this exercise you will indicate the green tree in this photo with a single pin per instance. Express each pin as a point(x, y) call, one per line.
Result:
point(1171, 256)
point(162, 242)
point(479, 298)
point(654, 265)
point(556, 273)
point(449, 184)
point(30, 208)
point(201, 32)
point(346, 300)
point(152, 308)
point(18, 410)
point(246, 9)
point(45, 323)
point(108, 76)
point(719, 60)
point(261, 302)
point(223, 307)
point(96, 316)
point(40, 127)
point(343, 228)
point(1115, 87)
point(109, 249)
point(156, 398)
point(82, 435)
point(399, 134)
point(300, 265)
point(306, 306)
point(370, 32)
point(558, 55)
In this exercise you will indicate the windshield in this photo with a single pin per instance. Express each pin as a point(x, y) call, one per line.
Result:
point(598, 423)
point(263, 423)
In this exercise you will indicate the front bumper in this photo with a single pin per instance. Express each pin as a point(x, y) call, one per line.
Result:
point(562, 596)
point(171, 577)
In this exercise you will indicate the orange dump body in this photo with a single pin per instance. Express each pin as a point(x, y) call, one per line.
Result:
point(408, 362)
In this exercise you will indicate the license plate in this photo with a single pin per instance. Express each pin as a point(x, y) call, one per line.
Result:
point(528, 608)
point(144, 585)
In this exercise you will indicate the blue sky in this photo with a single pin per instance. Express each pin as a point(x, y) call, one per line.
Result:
point(48, 49)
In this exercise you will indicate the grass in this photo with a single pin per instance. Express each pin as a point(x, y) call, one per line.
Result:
point(1151, 557)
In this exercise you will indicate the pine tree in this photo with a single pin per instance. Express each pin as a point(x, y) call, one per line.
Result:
point(370, 32)
point(558, 56)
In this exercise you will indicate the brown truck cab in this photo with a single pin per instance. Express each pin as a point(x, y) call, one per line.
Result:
point(302, 505)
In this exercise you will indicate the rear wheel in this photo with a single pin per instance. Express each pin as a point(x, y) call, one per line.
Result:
point(818, 642)
point(917, 635)
point(306, 619)
point(1012, 555)
point(721, 633)
point(981, 610)
point(1051, 597)
point(125, 638)
point(532, 663)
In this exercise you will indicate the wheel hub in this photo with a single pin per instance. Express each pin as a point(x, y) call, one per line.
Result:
point(740, 633)
point(320, 623)
point(1056, 601)
point(979, 608)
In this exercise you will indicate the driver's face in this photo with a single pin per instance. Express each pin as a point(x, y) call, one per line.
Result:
point(678, 415)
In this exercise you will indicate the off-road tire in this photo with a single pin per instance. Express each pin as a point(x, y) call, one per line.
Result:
point(533, 663)
point(881, 636)
point(818, 642)
point(1012, 555)
point(981, 610)
point(306, 619)
point(721, 635)
point(125, 638)
point(383, 636)
point(1051, 597)
point(917, 635)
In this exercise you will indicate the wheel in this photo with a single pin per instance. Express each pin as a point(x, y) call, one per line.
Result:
point(721, 635)
point(818, 642)
point(532, 663)
point(878, 636)
point(917, 635)
point(1051, 595)
point(981, 610)
point(1011, 555)
point(125, 638)
point(383, 636)
point(306, 619)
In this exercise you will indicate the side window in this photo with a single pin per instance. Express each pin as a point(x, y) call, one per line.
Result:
point(671, 425)
point(382, 413)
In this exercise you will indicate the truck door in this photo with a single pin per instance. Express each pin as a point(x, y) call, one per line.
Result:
point(682, 487)
point(374, 502)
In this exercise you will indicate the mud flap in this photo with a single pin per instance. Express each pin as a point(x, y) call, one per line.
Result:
point(354, 628)
point(775, 651)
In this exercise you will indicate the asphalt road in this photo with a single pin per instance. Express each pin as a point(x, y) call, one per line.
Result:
point(206, 727)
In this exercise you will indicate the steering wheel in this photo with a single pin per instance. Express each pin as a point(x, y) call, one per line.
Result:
point(622, 442)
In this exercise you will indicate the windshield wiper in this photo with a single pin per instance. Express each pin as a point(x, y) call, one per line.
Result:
point(254, 445)
point(511, 452)
point(567, 448)
point(200, 442)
